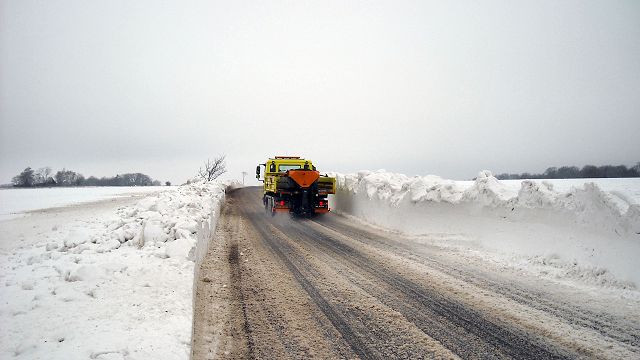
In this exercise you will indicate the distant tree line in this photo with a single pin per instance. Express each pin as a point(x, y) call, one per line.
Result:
point(44, 177)
point(587, 171)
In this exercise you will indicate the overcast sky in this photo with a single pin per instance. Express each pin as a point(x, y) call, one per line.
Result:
point(446, 87)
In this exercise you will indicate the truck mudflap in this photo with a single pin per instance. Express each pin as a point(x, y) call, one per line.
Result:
point(283, 207)
point(278, 205)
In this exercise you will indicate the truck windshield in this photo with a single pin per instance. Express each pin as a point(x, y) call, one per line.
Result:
point(285, 168)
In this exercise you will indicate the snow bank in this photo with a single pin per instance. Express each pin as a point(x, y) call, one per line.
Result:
point(583, 233)
point(114, 288)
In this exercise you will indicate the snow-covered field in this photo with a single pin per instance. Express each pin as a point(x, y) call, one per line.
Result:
point(14, 202)
point(585, 232)
point(102, 281)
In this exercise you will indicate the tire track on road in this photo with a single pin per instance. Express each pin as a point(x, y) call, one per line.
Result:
point(447, 317)
point(329, 311)
point(236, 286)
point(602, 323)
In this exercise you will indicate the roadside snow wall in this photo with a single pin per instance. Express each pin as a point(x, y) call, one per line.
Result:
point(110, 287)
point(586, 232)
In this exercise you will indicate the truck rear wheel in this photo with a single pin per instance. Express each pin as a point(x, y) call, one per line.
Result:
point(273, 207)
point(269, 205)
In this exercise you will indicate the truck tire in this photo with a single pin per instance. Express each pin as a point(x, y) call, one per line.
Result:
point(267, 204)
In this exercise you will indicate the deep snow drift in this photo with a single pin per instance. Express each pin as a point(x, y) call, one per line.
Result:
point(584, 234)
point(108, 287)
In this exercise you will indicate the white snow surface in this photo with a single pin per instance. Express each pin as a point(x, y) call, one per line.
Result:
point(15, 202)
point(109, 287)
point(580, 234)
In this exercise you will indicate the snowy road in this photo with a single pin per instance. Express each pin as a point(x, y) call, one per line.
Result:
point(329, 288)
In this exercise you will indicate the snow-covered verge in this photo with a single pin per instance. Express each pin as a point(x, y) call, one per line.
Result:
point(113, 287)
point(583, 234)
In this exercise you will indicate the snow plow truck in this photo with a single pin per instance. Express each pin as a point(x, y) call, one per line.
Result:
point(292, 184)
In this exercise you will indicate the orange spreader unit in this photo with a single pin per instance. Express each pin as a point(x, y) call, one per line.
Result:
point(304, 178)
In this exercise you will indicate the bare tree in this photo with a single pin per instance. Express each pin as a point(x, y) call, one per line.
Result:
point(213, 169)
point(42, 175)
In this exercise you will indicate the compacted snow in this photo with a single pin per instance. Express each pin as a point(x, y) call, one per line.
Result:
point(569, 230)
point(105, 283)
point(14, 202)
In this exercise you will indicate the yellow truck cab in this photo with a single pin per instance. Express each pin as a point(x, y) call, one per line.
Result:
point(292, 184)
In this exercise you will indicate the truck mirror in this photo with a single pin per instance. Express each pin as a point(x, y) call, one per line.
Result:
point(258, 172)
